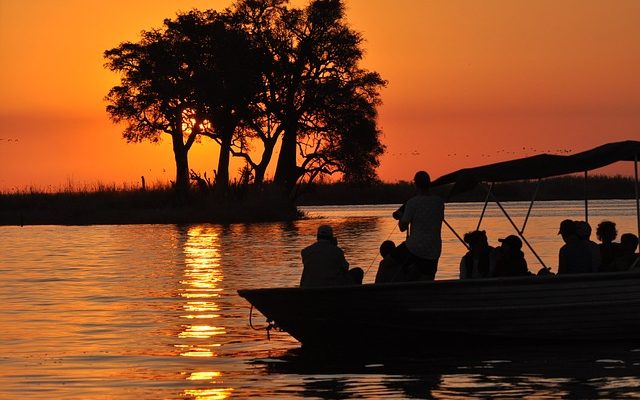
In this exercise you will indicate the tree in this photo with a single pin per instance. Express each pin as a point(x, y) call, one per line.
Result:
point(259, 72)
point(312, 81)
point(227, 77)
point(156, 93)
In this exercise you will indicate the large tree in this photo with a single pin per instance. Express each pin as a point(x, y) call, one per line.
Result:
point(156, 93)
point(259, 73)
point(313, 84)
point(194, 77)
point(226, 76)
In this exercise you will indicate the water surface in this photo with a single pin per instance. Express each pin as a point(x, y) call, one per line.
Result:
point(151, 311)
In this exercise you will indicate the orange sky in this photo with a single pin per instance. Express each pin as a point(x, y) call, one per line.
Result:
point(470, 82)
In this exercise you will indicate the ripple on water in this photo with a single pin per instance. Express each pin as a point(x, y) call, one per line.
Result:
point(151, 311)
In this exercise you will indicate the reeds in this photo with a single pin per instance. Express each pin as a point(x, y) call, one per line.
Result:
point(108, 204)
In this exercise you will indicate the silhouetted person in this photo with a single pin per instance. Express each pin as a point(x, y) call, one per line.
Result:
point(422, 217)
point(627, 258)
point(324, 263)
point(510, 258)
point(390, 268)
point(575, 256)
point(609, 250)
point(583, 230)
point(477, 262)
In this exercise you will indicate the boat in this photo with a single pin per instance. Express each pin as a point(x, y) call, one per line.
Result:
point(566, 308)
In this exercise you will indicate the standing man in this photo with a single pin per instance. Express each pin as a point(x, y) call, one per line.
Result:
point(324, 263)
point(423, 215)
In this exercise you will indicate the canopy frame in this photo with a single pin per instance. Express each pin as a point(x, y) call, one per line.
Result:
point(601, 156)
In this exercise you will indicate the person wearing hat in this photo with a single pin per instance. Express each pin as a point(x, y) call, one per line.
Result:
point(324, 263)
point(510, 258)
point(575, 255)
point(422, 217)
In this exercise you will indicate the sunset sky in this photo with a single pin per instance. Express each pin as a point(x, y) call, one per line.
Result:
point(470, 82)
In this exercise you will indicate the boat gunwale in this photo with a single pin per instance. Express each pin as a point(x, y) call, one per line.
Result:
point(481, 282)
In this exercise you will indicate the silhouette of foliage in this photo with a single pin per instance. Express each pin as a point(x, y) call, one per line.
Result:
point(257, 74)
point(156, 93)
point(316, 97)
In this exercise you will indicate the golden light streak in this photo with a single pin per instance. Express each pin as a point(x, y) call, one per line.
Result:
point(204, 375)
point(209, 394)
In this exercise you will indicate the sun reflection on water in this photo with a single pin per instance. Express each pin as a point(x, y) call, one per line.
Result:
point(200, 288)
point(209, 394)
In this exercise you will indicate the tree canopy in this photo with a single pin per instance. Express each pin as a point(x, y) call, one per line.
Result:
point(252, 76)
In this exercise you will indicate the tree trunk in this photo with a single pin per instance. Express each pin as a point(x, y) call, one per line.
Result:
point(286, 170)
point(261, 168)
point(180, 152)
point(222, 177)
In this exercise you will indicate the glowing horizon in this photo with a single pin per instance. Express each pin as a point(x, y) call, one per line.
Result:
point(469, 83)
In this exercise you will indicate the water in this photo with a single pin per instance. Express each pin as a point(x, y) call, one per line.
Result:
point(151, 312)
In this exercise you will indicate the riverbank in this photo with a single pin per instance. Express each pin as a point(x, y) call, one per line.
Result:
point(265, 203)
point(158, 206)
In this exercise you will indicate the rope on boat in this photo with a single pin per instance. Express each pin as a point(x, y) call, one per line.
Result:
point(270, 324)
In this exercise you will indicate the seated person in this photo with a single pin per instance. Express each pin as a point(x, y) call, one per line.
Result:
point(583, 230)
point(609, 250)
point(477, 262)
point(510, 258)
point(390, 268)
point(625, 261)
point(324, 263)
point(575, 256)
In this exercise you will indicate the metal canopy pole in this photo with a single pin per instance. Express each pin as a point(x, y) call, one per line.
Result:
point(519, 233)
point(486, 201)
point(533, 199)
point(635, 165)
point(455, 233)
point(586, 199)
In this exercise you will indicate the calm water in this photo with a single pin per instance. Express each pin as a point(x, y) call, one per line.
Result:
point(151, 312)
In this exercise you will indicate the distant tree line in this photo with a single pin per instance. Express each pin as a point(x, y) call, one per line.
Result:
point(251, 77)
point(558, 188)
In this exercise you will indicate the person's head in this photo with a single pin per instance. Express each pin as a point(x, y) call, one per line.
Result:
point(511, 243)
point(583, 230)
point(567, 229)
point(325, 232)
point(628, 243)
point(422, 180)
point(606, 231)
point(476, 239)
point(386, 248)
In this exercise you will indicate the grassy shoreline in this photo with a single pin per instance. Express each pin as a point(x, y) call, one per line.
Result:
point(262, 204)
point(158, 206)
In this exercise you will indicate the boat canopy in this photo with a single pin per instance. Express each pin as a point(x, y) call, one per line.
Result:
point(541, 166)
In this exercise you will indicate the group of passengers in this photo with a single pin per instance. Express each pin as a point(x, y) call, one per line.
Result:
point(416, 259)
point(581, 255)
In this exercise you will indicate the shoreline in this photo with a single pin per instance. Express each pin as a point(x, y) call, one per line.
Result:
point(266, 203)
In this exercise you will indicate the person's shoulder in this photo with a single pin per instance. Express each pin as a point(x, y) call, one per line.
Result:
point(310, 247)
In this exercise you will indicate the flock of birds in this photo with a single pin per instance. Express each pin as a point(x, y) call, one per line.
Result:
point(526, 151)
point(9, 140)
